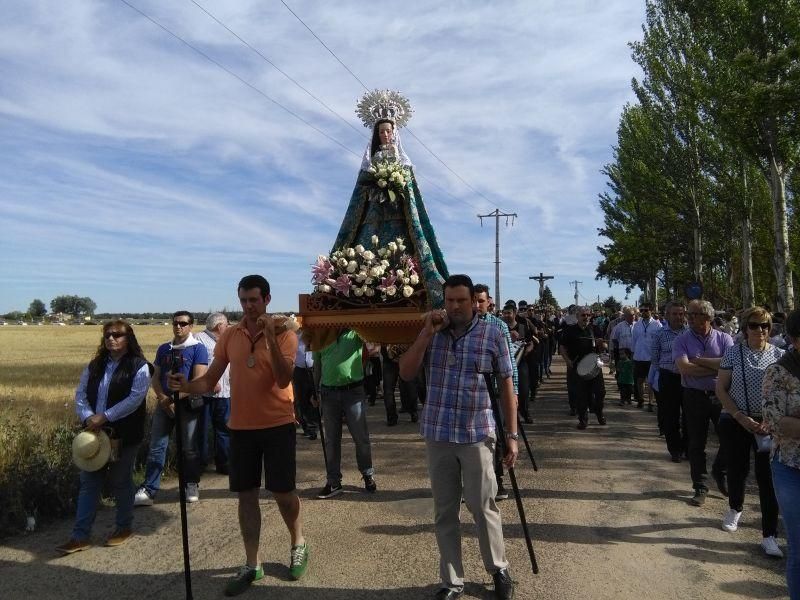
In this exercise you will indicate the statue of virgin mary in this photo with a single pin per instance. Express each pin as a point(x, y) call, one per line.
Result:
point(390, 206)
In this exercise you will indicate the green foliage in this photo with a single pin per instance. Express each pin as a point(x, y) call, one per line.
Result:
point(612, 305)
point(706, 150)
point(548, 298)
point(73, 305)
point(37, 309)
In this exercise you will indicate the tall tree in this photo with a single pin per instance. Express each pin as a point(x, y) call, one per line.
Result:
point(37, 309)
point(751, 89)
point(548, 298)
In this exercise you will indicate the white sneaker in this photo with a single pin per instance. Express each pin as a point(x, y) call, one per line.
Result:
point(142, 498)
point(192, 492)
point(770, 546)
point(730, 522)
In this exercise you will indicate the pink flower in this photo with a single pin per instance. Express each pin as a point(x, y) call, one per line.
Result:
point(342, 285)
point(387, 282)
point(321, 270)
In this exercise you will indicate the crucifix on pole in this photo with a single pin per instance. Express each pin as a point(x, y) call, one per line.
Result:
point(497, 214)
point(541, 278)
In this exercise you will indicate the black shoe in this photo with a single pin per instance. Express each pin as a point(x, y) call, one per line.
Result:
point(369, 484)
point(312, 436)
point(502, 493)
point(414, 417)
point(622, 402)
point(447, 594)
point(699, 497)
point(722, 482)
point(649, 408)
point(676, 458)
point(503, 585)
point(391, 421)
point(371, 402)
point(582, 424)
point(222, 469)
point(601, 420)
point(330, 490)
point(640, 404)
point(528, 420)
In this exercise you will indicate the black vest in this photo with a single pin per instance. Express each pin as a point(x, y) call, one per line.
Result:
point(130, 429)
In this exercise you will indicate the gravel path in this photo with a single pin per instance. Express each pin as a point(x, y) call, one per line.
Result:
point(608, 512)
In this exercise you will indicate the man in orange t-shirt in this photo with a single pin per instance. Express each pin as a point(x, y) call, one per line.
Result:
point(261, 424)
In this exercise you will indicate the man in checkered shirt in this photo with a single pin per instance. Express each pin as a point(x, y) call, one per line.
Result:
point(458, 349)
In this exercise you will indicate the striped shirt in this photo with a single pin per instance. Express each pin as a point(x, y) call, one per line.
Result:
point(502, 324)
point(661, 350)
point(457, 407)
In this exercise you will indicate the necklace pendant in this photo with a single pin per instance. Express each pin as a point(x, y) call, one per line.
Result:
point(251, 361)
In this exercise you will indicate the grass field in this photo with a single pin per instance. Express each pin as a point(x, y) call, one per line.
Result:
point(39, 370)
point(40, 365)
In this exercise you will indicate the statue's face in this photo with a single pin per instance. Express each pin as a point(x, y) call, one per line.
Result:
point(385, 133)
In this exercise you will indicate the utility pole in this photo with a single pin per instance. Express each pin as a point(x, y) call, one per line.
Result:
point(576, 284)
point(497, 214)
point(541, 278)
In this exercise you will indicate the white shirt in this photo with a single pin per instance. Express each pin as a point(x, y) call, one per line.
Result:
point(642, 337)
point(209, 341)
point(623, 334)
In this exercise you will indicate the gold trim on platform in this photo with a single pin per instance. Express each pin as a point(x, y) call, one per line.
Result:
point(373, 323)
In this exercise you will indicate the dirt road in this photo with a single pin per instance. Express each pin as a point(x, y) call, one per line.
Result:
point(608, 511)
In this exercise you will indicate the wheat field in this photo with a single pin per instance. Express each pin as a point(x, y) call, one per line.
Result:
point(40, 365)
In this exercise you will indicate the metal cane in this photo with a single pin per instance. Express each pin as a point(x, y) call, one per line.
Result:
point(319, 417)
point(177, 362)
point(502, 441)
point(521, 431)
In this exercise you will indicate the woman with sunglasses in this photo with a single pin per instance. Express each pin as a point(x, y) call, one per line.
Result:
point(781, 403)
point(110, 396)
point(741, 429)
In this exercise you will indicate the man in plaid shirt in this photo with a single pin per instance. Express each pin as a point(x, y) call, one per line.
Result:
point(458, 349)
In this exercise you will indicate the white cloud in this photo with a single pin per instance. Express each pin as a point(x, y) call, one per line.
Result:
point(126, 147)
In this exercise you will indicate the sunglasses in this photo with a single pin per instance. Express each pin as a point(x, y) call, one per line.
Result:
point(763, 326)
point(115, 334)
point(181, 324)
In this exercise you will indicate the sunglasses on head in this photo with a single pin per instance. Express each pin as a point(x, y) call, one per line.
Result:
point(180, 323)
point(115, 334)
point(762, 326)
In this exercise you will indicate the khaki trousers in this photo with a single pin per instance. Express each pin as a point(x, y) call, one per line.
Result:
point(467, 469)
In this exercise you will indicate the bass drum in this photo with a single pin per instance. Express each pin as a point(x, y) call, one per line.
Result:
point(589, 366)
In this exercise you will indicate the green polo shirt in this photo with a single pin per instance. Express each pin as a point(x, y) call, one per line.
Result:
point(341, 361)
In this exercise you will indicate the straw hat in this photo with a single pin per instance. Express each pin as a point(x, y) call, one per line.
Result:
point(91, 450)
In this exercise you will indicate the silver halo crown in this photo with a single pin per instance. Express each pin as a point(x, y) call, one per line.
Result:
point(383, 104)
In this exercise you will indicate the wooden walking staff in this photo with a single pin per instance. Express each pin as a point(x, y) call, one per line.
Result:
point(177, 362)
point(501, 439)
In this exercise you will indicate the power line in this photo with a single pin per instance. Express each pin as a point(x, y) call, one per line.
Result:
point(277, 68)
point(233, 74)
point(410, 132)
point(325, 45)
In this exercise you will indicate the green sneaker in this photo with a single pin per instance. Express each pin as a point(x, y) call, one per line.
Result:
point(298, 562)
point(242, 580)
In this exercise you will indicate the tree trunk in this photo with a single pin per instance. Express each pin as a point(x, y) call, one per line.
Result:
point(783, 271)
point(748, 287)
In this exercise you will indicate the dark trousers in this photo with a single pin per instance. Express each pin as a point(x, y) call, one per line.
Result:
point(216, 413)
point(701, 408)
point(587, 393)
point(372, 379)
point(737, 444)
point(303, 385)
point(524, 387)
point(672, 419)
point(408, 390)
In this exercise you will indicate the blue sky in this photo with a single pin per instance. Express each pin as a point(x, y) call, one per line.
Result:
point(136, 172)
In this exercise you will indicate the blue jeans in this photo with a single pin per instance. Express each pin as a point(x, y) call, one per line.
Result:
point(159, 441)
point(120, 476)
point(352, 403)
point(216, 412)
point(786, 481)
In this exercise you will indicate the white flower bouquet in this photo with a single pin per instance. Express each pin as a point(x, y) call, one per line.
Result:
point(390, 177)
point(384, 274)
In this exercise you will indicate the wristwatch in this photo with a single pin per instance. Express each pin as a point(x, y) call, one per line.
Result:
point(513, 436)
